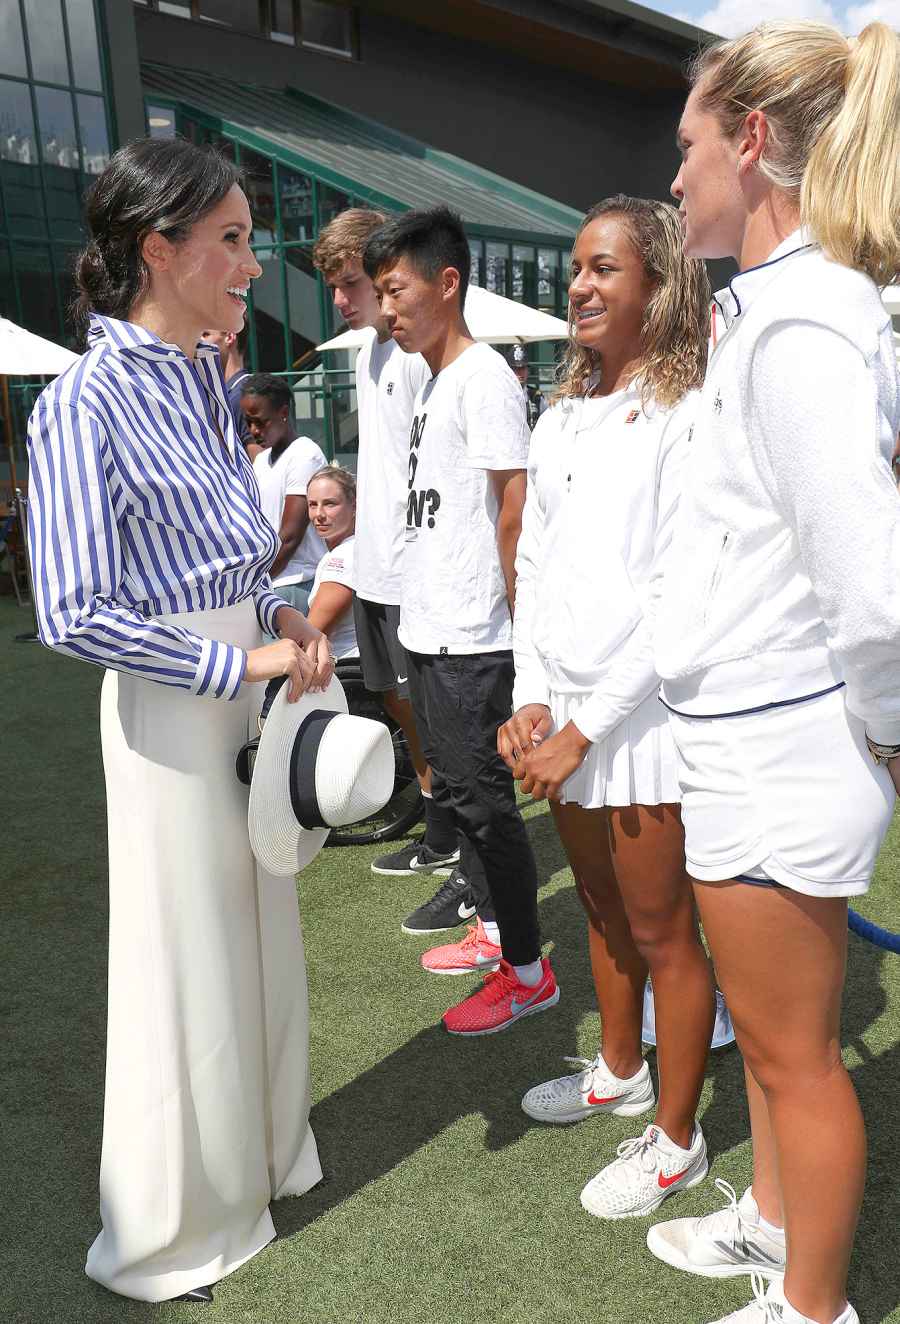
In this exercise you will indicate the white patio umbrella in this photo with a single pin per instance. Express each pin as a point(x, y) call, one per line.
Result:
point(490, 318)
point(23, 354)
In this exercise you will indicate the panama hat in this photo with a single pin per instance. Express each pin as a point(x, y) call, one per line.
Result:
point(313, 767)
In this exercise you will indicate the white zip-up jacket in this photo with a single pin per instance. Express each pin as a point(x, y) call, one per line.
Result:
point(784, 574)
point(603, 483)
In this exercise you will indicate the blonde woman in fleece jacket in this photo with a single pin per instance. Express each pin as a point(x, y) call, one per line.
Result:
point(778, 635)
point(589, 730)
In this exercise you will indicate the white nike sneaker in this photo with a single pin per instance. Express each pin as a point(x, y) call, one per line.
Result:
point(724, 1244)
point(593, 1090)
point(645, 1172)
point(770, 1307)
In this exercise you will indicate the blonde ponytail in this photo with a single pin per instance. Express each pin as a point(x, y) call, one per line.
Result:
point(833, 112)
point(850, 196)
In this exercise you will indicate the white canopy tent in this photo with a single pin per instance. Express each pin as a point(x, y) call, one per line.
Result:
point(23, 354)
point(491, 318)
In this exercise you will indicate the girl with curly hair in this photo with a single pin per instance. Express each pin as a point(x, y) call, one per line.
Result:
point(588, 730)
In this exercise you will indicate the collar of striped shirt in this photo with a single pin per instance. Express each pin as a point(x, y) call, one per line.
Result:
point(134, 339)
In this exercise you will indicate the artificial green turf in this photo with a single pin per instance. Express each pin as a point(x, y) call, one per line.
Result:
point(442, 1202)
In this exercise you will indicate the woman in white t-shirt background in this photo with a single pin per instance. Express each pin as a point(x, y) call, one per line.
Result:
point(282, 469)
point(331, 495)
point(588, 729)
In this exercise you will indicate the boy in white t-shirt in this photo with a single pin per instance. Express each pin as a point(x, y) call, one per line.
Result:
point(282, 468)
point(465, 492)
point(386, 384)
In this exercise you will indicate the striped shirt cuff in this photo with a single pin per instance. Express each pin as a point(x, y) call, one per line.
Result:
point(220, 670)
point(268, 605)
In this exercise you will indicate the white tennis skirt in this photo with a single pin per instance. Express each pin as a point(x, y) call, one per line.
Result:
point(635, 765)
point(206, 1115)
point(789, 795)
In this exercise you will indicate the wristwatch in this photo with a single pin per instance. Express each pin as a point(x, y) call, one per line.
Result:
point(882, 753)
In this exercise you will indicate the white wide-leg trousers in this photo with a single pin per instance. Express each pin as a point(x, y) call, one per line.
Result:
point(206, 1115)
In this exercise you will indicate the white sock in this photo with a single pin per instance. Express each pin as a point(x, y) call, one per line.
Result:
point(772, 1228)
point(491, 931)
point(529, 974)
point(426, 794)
point(667, 1143)
point(793, 1316)
point(622, 1079)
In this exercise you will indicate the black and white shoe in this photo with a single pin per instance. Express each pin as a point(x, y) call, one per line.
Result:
point(452, 904)
point(414, 858)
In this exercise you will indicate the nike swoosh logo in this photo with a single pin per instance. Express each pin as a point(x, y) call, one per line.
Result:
point(592, 1098)
point(464, 911)
point(670, 1181)
point(401, 680)
point(515, 1007)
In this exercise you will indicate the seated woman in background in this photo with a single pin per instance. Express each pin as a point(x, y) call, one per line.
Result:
point(331, 496)
point(283, 467)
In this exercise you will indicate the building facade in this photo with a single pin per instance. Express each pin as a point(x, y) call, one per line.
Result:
point(519, 113)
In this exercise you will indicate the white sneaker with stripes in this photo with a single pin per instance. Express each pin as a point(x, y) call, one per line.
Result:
point(770, 1307)
point(725, 1244)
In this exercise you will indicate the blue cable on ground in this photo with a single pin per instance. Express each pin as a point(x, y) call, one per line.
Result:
point(864, 928)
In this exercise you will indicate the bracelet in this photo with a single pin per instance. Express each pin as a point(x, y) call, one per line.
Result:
point(882, 753)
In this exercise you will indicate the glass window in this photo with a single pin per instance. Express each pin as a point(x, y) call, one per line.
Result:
point(240, 14)
point(83, 44)
point(523, 274)
point(295, 193)
point(59, 145)
point(282, 21)
point(46, 41)
point(496, 263)
point(7, 300)
point(160, 121)
point(65, 259)
point(180, 8)
point(331, 201)
point(303, 303)
point(61, 189)
point(267, 293)
point(476, 249)
point(94, 137)
point(17, 136)
point(326, 27)
point(260, 189)
point(37, 290)
point(12, 46)
point(548, 278)
point(23, 199)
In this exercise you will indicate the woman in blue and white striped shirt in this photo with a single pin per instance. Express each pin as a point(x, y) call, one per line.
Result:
point(150, 554)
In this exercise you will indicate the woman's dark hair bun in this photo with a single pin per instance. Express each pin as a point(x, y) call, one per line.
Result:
point(163, 184)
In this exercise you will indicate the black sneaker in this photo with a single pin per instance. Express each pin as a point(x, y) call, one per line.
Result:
point(452, 904)
point(413, 858)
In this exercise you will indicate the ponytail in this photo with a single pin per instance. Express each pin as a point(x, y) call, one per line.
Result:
point(833, 111)
point(850, 196)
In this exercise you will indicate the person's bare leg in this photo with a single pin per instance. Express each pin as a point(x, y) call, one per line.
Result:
point(780, 959)
point(619, 970)
point(402, 712)
point(766, 1186)
point(648, 859)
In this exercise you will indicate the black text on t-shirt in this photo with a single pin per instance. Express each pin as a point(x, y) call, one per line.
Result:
point(422, 504)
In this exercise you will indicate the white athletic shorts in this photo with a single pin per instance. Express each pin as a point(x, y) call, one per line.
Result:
point(787, 795)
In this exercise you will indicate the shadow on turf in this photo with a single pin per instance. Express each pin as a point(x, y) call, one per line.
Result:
point(442, 1079)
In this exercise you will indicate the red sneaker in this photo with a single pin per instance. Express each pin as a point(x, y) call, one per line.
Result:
point(473, 955)
point(502, 1000)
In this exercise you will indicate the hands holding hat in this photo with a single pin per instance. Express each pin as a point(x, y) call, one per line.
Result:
point(303, 654)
